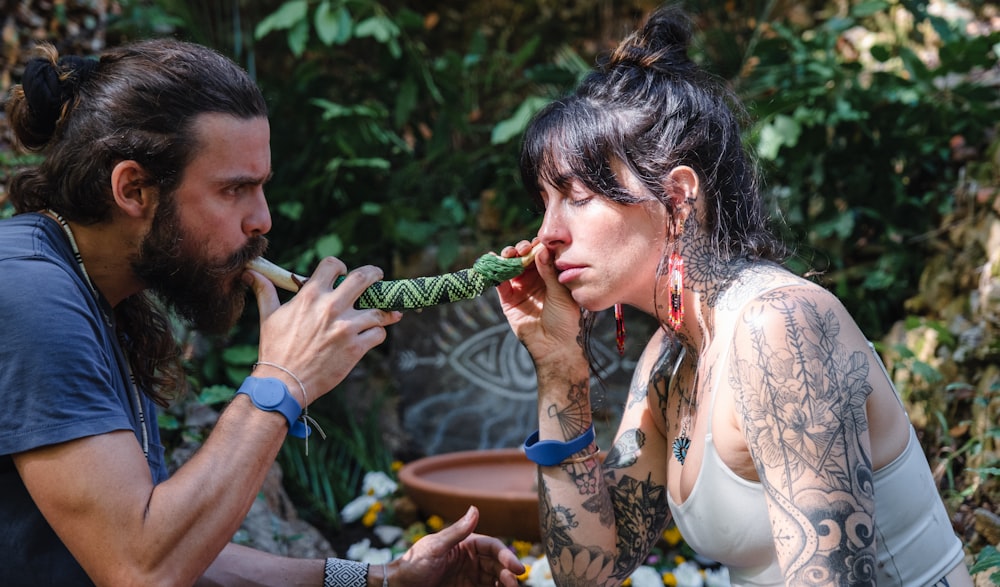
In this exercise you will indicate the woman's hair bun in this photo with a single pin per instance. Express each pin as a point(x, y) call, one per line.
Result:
point(49, 85)
point(661, 43)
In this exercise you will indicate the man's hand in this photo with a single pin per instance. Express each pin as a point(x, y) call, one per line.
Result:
point(456, 557)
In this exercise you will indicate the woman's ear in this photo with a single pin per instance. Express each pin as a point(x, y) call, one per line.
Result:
point(683, 188)
point(132, 194)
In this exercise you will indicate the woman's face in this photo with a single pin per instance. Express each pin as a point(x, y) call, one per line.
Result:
point(605, 252)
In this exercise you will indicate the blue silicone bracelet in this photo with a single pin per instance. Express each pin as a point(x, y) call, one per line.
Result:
point(271, 395)
point(548, 453)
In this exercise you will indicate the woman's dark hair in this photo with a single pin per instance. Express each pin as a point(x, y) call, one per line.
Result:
point(137, 102)
point(648, 108)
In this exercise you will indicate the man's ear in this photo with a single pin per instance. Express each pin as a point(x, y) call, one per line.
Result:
point(132, 195)
point(683, 187)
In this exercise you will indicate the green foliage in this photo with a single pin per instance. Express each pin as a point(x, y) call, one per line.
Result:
point(330, 474)
point(388, 145)
point(854, 130)
point(988, 559)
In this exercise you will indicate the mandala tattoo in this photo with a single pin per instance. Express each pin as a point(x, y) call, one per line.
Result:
point(641, 513)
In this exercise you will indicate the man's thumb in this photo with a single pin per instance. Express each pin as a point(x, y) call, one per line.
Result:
point(264, 291)
point(461, 529)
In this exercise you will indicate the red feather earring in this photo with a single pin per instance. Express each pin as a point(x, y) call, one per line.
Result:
point(675, 289)
point(620, 330)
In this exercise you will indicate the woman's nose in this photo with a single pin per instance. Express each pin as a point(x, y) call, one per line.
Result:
point(553, 230)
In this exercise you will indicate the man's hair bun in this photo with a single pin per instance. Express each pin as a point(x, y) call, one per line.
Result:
point(49, 86)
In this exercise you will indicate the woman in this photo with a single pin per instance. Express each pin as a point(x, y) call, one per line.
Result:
point(759, 417)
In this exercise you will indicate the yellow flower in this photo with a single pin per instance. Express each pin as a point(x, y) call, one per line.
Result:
point(678, 560)
point(672, 535)
point(524, 576)
point(521, 548)
point(669, 579)
point(371, 516)
point(435, 523)
point(396, 466)
point(627, 582)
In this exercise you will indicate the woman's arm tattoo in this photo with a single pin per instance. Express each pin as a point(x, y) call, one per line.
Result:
point(802, 399)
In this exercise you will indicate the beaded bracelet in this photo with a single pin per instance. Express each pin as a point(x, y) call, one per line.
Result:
point(582, 458)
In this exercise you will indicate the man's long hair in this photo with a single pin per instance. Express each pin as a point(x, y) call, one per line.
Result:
point(137, 102)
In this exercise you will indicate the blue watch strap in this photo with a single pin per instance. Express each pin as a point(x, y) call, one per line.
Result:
point(552, 452)
point(271, 395)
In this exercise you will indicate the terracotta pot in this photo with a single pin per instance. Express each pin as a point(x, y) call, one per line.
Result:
point(500, 482)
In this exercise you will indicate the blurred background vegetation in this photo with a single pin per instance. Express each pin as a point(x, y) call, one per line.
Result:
point(395, 136)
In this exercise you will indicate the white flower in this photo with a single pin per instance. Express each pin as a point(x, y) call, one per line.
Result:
point(717, 578)
point(688, 574)
point(646, 576)
point(378, 484)
point(388, 534)
point(377, 556)
point(359, 550)
point(540, 575)
point(358, 507)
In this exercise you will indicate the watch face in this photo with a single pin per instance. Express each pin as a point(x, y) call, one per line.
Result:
point(268, 394)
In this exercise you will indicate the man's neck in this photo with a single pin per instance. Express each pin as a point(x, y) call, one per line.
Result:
point(105, 249)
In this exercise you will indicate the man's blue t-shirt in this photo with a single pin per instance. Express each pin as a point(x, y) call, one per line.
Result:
point(62, 377)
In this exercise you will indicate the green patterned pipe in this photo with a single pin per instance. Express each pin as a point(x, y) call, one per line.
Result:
point(488, 271)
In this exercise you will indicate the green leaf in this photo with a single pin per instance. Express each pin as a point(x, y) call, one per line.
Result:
point(868, 8)
point(243, 354)
point(215, 394)
point(327, 23)
point(452, 209)
point(167, 421)
point(406, 101)
point(291, 210)
point(781, 131)
point(329, 246)
point(298, 37)
point(505, 130)
point(986, 471)
point(418, 233)
point(371, 208)
point(881, 53)
point(988, 558)
point(288, 15)
point(381, 28)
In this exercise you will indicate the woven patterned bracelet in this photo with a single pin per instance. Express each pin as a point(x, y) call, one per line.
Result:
point(344, 573)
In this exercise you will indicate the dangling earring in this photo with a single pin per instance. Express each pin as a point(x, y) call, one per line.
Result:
point(620, 330)
point(675, 288)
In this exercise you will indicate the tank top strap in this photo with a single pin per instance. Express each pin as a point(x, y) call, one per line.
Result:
point(724, 354)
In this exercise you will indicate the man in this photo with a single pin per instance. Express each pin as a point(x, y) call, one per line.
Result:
point(156, 158)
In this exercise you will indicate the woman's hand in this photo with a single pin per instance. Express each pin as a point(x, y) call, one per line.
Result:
point(540, 310)
point(318, 334)
point(455, 557)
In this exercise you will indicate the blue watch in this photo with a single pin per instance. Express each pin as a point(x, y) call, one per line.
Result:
point(549, 453)
point(271, 395)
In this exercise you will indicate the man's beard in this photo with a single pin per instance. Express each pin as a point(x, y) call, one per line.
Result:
point(205, 293)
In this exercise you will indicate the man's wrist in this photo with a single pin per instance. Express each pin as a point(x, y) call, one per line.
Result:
point(345, 573)
point(271, 395)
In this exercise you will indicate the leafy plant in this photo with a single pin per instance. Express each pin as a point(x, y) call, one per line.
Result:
point(855, 131)
point(988, 560)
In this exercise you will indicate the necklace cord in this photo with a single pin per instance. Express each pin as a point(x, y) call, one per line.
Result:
point(140, 413)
